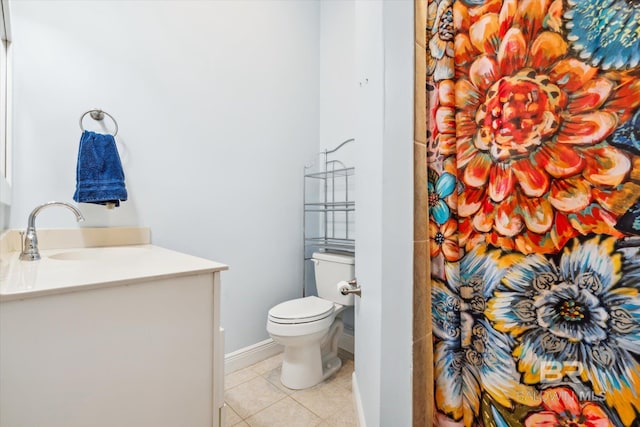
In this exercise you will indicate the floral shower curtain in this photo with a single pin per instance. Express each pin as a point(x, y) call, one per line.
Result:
point(533, 148)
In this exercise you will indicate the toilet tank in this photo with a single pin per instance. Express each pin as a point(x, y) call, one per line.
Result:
point(330, 269)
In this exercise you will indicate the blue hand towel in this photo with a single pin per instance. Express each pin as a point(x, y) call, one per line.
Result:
point(99, 174)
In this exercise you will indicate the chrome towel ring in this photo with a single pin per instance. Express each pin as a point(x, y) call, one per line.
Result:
point(98, 114)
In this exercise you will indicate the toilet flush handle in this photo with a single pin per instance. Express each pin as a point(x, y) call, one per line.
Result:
point(353, 288)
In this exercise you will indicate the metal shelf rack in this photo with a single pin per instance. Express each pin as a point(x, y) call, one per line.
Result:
point(329, 208)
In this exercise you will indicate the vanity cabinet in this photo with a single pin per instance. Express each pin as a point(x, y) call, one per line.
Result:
point(147, 352)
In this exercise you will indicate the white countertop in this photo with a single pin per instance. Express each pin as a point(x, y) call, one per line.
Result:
point(74, 269)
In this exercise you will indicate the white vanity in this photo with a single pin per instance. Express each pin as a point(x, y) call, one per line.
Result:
point(107, 330)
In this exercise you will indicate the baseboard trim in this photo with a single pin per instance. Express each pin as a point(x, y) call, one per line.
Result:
point(346, 342)
point(247, 356)
point(357, 401)
point(258, 352)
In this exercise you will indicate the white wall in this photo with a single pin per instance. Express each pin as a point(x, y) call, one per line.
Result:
point(338, 88)
point(397, 215)
point(384, 160)
point(218, 107)
point(369, 134)
point(338, 91)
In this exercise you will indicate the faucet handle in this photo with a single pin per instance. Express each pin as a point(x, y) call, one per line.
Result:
point(30, 247)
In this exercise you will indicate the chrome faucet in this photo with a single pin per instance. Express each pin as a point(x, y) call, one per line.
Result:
point(30, 246)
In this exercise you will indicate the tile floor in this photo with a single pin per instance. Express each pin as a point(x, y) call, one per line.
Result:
point(256, 398)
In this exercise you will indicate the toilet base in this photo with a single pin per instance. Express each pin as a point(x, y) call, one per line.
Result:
point(331, 366)
point(307, 365)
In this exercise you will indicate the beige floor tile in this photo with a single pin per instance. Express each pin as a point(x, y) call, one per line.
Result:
point(345, 417)
point(343, 376)
point(267, 365)
point(274, 378)
point(238, 377)
point(324, 398)
point(231, 416)
point(252, 396)
point(284, 413)
point(242, 424)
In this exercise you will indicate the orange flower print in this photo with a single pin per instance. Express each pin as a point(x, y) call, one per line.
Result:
point(562, 408)
point(443, 239)
point(530, 124)
point(440, 39)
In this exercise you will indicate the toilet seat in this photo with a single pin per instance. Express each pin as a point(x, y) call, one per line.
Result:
point(301, 310)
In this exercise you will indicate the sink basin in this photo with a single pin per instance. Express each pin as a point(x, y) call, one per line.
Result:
point(125, 253)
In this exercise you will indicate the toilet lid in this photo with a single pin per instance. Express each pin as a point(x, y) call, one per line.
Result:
point(301, 310)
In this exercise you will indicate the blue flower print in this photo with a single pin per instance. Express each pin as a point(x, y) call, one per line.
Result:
point(627, 136)
point(472, 357)
point(606, 33)
point(439, 191)
point(583, 311)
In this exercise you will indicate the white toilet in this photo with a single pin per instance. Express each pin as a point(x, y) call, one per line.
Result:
point(309, 328)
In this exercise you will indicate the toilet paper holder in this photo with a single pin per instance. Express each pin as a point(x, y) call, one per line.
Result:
point(352, 288)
